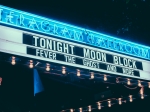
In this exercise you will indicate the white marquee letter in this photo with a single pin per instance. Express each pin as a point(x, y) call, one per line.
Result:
point(35, 41)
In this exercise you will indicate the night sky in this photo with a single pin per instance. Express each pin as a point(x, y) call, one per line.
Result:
point(127, 19)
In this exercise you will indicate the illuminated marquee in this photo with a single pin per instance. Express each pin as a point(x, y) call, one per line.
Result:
point(50, 49)
point(46, 26)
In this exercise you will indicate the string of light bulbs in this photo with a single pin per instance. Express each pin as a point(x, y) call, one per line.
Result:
point(31, 65)
point(99, 104)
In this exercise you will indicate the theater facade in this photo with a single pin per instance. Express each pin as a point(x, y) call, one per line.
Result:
point(46, 43)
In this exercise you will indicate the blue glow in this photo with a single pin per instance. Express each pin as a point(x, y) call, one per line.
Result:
point(38, 86)
point(43, 25)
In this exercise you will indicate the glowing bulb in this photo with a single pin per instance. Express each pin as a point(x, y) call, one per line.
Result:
point(148, 84)
point(0, 80)
point(63, 70)
point(78, 73)
point(71, 110)
point(117, 80)
point(92, 75)
point(13, 62)
point(105, 78)
point(142, 96)
point(80, 109)
point(89, 108)
point(109, 103)
point(139, 83)
point(31, 64)
point(47, 67)
point(128, 82)
point(120, 102)
point(99, 105)
point(141, 90)
point(130, 98)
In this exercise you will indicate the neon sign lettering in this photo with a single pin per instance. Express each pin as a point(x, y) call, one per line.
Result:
point(20, 19)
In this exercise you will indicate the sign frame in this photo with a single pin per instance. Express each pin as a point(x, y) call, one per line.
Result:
point(16, 42)
point(27, 21)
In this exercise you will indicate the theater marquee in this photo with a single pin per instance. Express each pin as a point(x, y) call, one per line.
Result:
point(50, 49)
point(23, 20)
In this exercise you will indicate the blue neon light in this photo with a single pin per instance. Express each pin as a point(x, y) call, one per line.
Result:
point(43, 25)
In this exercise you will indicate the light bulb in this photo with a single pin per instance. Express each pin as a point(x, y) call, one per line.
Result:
point(99, 105)
point(130, 98)
point(71, 110)
point(78, 73)
point(148, 84)
point(31, 64)
point(109, 103)
point(128, 82)
point(117, 80)
point(80, 109)
point(63, 70)
point(139, 83)
point(105, 78)
point(0, 80)
point(120, 102)
point(92, 75)
point(142, 96)
point(47, 67)
point(13, 62)
point(141, 90)
point(89, 108)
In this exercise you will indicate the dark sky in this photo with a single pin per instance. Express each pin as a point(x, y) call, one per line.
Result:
point(127, 19)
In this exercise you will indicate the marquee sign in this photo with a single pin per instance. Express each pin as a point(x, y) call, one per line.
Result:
point(23, 20)
point(50, 49)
